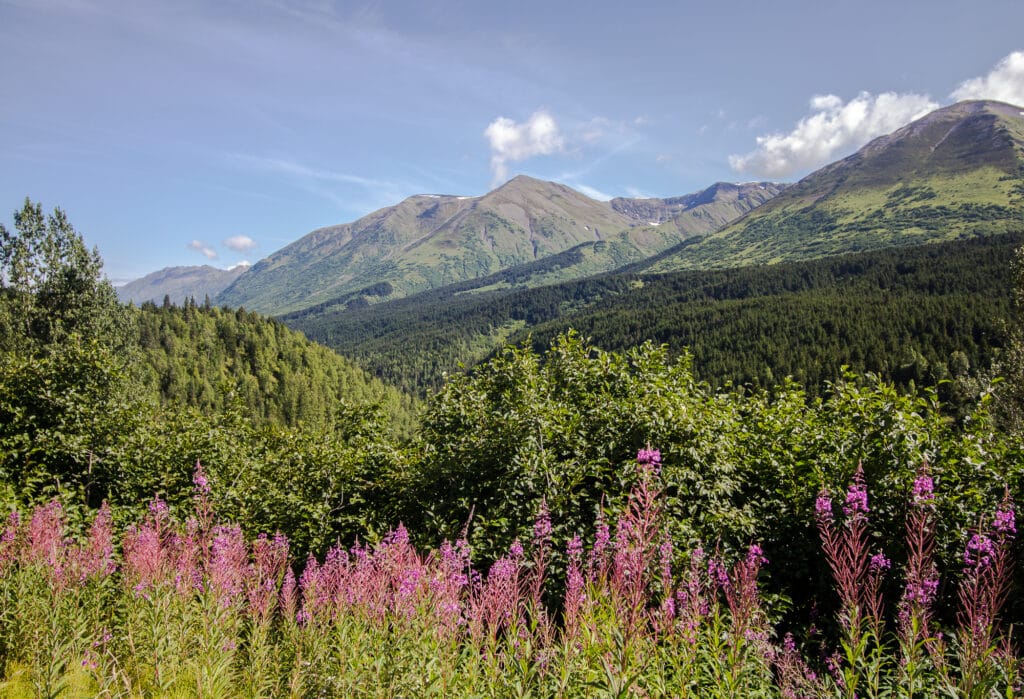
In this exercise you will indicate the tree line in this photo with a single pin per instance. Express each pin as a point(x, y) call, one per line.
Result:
point(923, 314)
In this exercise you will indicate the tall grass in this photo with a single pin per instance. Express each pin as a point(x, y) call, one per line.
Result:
point(189, 608)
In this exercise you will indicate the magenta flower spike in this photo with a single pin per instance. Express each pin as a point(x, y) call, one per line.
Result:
point(856, 505)
point(96, 558)
point(8, 541)
point(228, 564)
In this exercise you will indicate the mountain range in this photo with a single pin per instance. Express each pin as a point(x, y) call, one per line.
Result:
point(180, 283)
point(956, 173)
point(429, 241)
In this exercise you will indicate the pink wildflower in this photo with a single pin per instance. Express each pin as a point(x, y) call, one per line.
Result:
point(823, 508)
point(1005, 522)
point(228, 563)
point(96, 558)
point(879, 563)
point(542, 527)
point(856, 497)
point(7, 540)
point(979, 552)
point(924, 489)
point(649, 460)
point(200, 481)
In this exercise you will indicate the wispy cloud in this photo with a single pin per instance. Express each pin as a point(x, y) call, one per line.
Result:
point(512, 142)
point(203, 249)
point(592, 192)
point(834, 127)
point(1004, 83)
point(298, 170)
point(636, 193)
point(240, 243)
point(331, 185)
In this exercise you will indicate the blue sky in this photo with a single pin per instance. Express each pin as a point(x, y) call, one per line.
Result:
point(187, 132)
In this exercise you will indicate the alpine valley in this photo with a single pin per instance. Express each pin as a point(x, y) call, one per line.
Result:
point(436, 282)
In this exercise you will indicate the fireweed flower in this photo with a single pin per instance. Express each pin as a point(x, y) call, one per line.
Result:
point(229, 557)
point(755, 556)
point(665, 554)
point(499, 598)
point(879, 563)
point(270, 556)
point(823, 508)
point(309, 584)
point(718, 573)
point(188, 556)
point(46, 536)
point(979, 552)
point(924, 489)
point(650, 459)
point(96, 558)
point(1005, 522)
point(7, 540)
point(788, 643)
point(542, 527)
point(856, 497)
point(158, 510)
point(574, 583)
point(598, 561)
point(289, 596)
point(922, 593)
point(143, 557)
point(200, 481)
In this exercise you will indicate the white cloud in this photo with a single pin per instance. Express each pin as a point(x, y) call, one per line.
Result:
point(511, 141)
point(202, 248)
point(243, 263)
point(833, 129)
point(1004, 83)
point(240, 243)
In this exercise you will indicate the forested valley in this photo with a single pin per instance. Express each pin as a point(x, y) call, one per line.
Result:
point(202, 502)
point(919, 314)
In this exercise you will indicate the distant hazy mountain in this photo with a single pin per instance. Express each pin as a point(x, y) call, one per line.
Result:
point(702, 212)
point(956, 172)
point(180, 283)
point(429, 241)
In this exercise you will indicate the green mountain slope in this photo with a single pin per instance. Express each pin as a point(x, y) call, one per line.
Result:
point(956, 172)
point(179, 283)
point(901, 311)
point(429, 241)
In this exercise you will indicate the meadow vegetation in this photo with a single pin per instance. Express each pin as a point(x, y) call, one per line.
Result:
point(185, 516)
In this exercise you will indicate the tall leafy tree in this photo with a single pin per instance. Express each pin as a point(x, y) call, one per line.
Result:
point(52, 285)
point(64, 340)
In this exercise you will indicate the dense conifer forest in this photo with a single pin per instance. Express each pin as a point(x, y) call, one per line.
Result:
point(921, 314)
